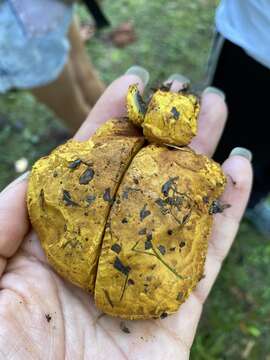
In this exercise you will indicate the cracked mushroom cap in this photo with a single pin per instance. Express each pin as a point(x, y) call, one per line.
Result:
point(124, 220)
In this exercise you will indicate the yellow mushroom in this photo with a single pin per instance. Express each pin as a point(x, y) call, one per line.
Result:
point(169, 118)
point(126, 220)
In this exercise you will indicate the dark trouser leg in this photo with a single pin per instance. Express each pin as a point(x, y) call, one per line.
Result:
point(246, 84)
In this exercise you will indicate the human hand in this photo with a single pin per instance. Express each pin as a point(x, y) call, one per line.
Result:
point(44, 317)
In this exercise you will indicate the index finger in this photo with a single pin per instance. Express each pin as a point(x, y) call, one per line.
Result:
point(111, 104)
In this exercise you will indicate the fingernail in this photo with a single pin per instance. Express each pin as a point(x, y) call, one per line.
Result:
point(214, 90)
point(179, 77)
point(240, 151)
point(139, 71)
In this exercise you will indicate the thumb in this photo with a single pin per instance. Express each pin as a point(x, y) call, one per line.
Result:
point(14, 222)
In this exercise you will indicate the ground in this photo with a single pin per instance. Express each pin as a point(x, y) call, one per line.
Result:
point(172, 36)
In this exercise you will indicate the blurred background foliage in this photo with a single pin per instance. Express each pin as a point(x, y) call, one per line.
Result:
point(171, 36)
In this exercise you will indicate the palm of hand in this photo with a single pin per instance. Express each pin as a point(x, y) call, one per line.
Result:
point(44, 317)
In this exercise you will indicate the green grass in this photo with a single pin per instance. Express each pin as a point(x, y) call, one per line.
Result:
point(238, 309)
point(27, 129)
point(172, 36)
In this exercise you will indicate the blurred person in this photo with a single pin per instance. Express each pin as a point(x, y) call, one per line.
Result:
point(242, 70)
point(41, 50)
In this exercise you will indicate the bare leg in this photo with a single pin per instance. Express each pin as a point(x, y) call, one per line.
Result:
point(90, 84)
point(65, 98)
point(72, 95)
